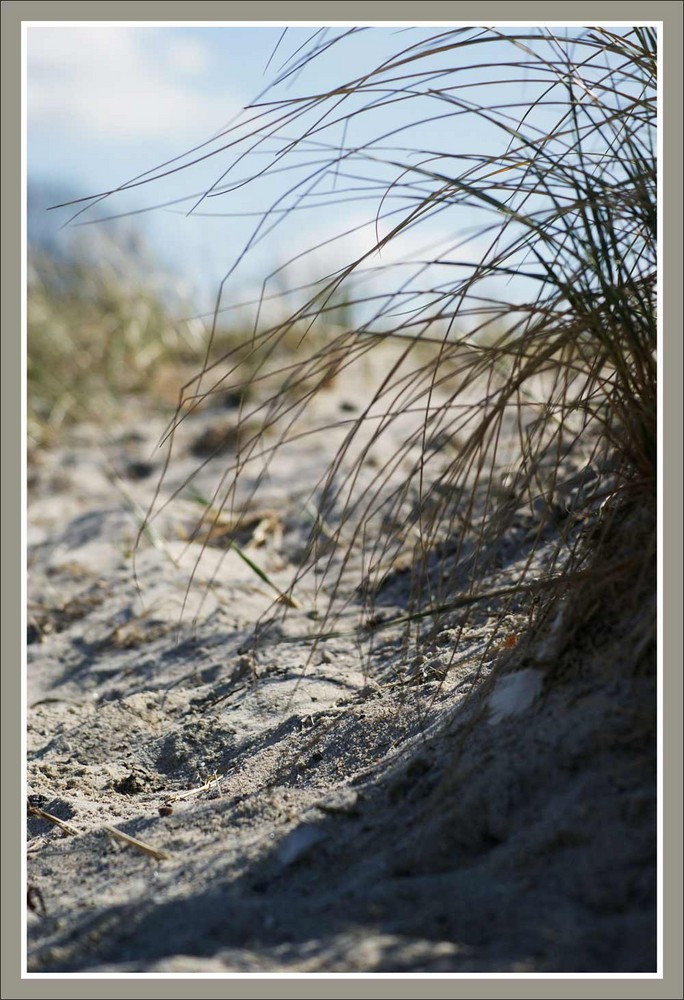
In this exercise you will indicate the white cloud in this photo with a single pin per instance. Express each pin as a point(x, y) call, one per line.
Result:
point(122, 82)
point(187, 56)
point(352, 235)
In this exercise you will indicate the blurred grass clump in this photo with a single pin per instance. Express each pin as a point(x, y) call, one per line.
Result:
point(106, 323)
point(100, 329)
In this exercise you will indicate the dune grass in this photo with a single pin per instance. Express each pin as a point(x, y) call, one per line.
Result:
point(100, 329)
point(105, 326)
point(524, 343)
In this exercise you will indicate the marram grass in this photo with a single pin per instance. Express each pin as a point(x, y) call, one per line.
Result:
point(522, 339)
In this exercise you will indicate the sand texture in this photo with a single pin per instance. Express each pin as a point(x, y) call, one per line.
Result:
point(312, 807)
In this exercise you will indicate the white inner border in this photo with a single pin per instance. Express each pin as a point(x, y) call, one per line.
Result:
point(324, 22)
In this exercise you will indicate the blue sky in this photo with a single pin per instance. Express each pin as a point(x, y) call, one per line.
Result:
point(108, 103)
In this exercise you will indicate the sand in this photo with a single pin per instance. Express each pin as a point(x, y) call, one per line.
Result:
point(314, 807)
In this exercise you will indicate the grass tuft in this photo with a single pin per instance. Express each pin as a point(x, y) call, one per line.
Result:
point(506, 438)
point(99, 331)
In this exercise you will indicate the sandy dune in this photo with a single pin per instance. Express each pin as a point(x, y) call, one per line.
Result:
point(317, 807)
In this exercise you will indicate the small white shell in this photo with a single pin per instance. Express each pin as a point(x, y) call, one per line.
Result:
point(514, 694)
point(298, 843)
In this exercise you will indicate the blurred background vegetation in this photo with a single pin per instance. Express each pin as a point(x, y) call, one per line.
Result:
point(107, 322)
point(101, 324)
